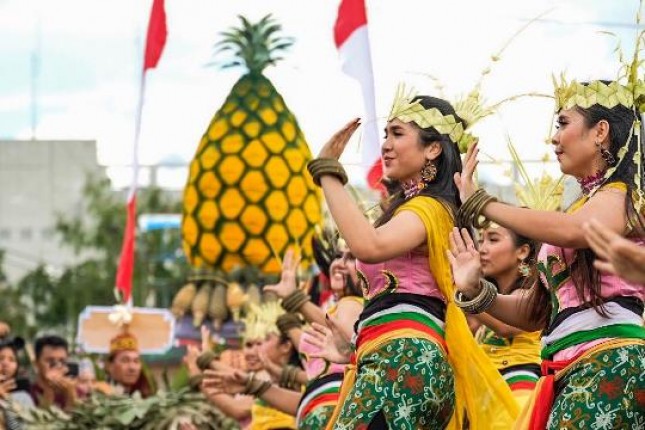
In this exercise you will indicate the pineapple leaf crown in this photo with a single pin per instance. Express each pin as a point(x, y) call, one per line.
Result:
point(627, 90)
point(543, 193)
point(254, 45)
point(406, 109)
point(260, 320)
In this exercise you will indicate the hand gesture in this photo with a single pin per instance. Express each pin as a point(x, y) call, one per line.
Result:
point(287, 284)
point(224, 382)
point(190, 359)
point(616, 254)
point(336, 145)
point(206, 338)
point(58, 381)
point(6, 387)
point(329, 341)
point(275, 370)
point(465, 262)
point(464, 180)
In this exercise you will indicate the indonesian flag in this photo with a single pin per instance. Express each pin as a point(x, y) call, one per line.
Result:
point(353, 43)
point(155, 42)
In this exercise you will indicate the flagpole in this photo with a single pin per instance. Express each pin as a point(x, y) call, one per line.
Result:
point(155, 42)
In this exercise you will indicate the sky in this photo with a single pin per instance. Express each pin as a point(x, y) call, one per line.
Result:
point(78, 62)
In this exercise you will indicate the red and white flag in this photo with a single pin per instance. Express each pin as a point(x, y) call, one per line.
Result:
point(155, 42)
point(353, 43)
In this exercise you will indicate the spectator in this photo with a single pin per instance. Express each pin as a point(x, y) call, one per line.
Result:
point(53, 385)
point(124, 366)
point(11, 388)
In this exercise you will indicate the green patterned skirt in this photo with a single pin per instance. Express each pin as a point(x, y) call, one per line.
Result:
point(605, 391)
point(406, 384)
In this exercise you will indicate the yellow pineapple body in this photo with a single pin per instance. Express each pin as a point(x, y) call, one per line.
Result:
point(248, 194)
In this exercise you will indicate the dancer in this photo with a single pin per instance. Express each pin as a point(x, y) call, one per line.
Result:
point(508, 260)
point(593, 345)
point(416, 364)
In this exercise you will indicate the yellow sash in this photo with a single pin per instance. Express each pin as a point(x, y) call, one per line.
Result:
point(480, 390)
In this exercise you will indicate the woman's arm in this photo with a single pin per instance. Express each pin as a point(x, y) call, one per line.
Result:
point(514, 312)
point(236, 407)
point(229, 383)
point(347, 313)
point(562, 229)
point(405, 231)
point(282, 399)
point(402, 233)
point(466, 272)
point(616, 254)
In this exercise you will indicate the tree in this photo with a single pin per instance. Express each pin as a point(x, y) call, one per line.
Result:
point(95, 235)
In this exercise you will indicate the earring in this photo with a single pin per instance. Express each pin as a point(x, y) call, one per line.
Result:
point(607, 156)
point(429, 172)
point(524, 269)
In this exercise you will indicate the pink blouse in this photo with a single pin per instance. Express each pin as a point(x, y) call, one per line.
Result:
point(408, 273)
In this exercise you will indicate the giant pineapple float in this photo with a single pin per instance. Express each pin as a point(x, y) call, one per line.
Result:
point(248, 196)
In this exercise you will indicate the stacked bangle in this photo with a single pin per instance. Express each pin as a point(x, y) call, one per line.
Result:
point(288, 377)
point(205, 359)
point(482, 302)
point(471, 209)
point(320, 167)
point(294, 301)
point(255, 387)
point(287, 322)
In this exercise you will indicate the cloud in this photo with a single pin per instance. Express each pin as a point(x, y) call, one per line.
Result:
point(101, 42)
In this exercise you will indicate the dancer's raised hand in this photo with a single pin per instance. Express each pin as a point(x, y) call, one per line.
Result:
point(330, 343)
point(287, 284)
point(616, 255)
point(336, 145)
point(465, 180)
point(465, 262)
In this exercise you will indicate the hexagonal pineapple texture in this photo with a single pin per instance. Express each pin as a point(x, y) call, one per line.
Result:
point(248, 195)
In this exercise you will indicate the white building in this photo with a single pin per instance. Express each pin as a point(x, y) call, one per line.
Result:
point(38, 180)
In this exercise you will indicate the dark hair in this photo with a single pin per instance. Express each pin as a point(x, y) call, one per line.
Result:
point(539, 304)
point(621, 119)
point(52, 341)
point(352, 289)
point(448, 163)
point(15, 343)
point(294, 356)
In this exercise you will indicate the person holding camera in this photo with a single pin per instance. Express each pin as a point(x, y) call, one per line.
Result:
point(12, 388)
point(55, 382)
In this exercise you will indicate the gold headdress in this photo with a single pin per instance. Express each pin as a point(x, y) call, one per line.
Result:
point(627, 90)
point(406, 109)
point(544, 193)
point(260, 320)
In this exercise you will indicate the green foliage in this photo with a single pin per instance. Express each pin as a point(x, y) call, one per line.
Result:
point(254, 45)
point(165, 410)
point(53, 302)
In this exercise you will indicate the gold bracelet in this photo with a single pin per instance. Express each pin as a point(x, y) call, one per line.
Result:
point(320, 167)
point(205, 359)
point(470, 211)
point(288, 322)
point(481, 302)
point(295, 301)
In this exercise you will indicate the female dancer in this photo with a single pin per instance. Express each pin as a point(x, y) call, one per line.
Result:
point(593, 346)
point(415, 361)
point(508, 260)
point(261, 337)
point(314, 407)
